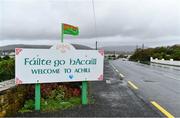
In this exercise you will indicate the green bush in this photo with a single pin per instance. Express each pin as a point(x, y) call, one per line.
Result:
point(166, 53)
point(57, 94)
point(7, 69)
point(28, 106)
point(6, 57)
point(51, 104)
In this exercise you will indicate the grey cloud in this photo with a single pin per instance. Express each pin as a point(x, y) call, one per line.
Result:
point(138, 19)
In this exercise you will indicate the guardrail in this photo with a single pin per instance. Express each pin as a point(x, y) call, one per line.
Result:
point(7, 84)
point(165, 62)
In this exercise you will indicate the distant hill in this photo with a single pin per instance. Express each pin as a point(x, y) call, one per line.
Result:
point(119, 48)
point(12, 47)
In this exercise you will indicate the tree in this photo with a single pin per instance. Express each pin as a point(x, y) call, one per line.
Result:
point(6, 57)
point(7, 70)
point(167, 53)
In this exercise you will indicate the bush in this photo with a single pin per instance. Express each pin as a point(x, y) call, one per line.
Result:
point(55, 99)
point(7, 69)
point(166, 53)
point(67, 90)
point(6, 57)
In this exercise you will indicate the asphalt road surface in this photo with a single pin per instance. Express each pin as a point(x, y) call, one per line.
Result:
point(109, 98)
point(156, 84)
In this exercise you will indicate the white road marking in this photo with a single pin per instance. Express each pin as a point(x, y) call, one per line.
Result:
point(113, 67)
point(117, 70)
point(121, 75)
point(108, 81)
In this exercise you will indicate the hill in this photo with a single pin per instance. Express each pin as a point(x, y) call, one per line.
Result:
point(12, 47)
point(120, 48)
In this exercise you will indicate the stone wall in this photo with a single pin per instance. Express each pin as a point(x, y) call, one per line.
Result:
point(12, 99)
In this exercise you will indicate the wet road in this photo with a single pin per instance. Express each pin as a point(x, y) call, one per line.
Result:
point(108, 98)
point(157, 83)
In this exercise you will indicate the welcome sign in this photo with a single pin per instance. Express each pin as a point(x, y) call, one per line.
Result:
point(49, 65)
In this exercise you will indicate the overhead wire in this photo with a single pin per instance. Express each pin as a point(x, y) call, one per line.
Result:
point(95, 23)
point(94, 17)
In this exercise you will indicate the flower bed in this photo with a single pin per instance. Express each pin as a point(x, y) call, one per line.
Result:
point(54, 97)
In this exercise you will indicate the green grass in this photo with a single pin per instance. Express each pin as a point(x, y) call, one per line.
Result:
point(51, 104)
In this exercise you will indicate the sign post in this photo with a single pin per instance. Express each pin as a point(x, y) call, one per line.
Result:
point(37, 96)
point(84, 93)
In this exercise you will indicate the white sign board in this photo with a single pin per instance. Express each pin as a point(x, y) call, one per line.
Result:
point(50, 65)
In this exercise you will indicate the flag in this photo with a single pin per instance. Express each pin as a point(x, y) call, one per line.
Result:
point(69, 29)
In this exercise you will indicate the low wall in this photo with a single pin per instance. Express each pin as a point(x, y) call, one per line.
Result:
point(165, 62)
point(11, 98)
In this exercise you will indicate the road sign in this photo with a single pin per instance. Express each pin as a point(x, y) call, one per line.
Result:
point(49, 65)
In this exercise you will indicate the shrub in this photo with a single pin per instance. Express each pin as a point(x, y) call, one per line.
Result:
point(66, 91)
point(6, 57)
point(7, 69)
point(167, 53)
point(56, 100)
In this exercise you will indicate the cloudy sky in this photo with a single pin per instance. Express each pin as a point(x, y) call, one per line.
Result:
point(118, 22)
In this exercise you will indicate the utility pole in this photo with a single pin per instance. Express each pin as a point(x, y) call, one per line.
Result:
point(96, 45)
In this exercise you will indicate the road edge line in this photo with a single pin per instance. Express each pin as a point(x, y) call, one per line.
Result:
point(133, 85)
point(160, 108)
point(121, 75)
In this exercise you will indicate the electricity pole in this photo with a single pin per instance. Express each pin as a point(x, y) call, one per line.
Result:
point(96, 45)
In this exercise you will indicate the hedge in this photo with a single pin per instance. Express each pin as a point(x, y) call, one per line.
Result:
point(7, 69)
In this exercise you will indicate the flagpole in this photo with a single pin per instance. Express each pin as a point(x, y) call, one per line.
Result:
point(62, 32)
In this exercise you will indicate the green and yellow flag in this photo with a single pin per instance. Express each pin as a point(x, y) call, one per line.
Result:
point(69, 29)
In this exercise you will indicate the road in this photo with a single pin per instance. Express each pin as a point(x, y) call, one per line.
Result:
point(109, 98)
point(154, 84)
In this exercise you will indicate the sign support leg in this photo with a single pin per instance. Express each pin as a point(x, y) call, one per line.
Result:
point(84, 93)
point(37, 96)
